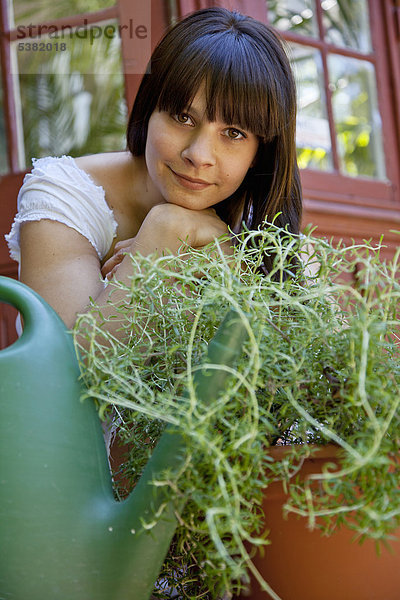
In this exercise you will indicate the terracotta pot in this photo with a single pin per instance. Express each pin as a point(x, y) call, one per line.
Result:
point(304, 565)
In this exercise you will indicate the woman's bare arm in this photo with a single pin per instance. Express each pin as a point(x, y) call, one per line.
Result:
point(63, 267)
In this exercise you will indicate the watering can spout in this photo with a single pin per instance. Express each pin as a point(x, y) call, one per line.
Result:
point(64, 534)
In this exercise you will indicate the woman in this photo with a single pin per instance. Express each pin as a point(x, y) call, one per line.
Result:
point(211, 145)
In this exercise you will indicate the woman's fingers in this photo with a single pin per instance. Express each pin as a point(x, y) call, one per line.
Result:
point(123, 245)
point(111, 265)
point(111, 273)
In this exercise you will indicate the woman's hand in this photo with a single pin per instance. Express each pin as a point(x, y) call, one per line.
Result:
point(111, 265)
point(168, 226)
point(166, 229)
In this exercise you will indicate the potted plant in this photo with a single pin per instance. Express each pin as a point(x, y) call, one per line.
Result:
point(319, 367)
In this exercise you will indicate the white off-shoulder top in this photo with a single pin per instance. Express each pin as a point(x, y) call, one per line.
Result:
point(59, 190)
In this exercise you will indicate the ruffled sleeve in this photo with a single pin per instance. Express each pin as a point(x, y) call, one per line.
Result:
point(57, 189)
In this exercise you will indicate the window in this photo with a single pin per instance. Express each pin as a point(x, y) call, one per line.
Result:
point(340, 127)
point(68, 94)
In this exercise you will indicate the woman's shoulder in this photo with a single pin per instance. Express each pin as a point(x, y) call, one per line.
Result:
point(118, 173)
point(110, 170)
point(107, 171)
point(61, 172)
point(104, 160)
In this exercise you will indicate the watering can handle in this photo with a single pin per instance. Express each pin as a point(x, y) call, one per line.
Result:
point(38, 317)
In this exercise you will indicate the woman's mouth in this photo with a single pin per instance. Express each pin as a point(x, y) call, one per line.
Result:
point(190, 183)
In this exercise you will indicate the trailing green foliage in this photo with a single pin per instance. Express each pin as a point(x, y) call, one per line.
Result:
point(321, 366)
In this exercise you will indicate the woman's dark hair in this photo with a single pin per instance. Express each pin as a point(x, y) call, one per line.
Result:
point(249, 83)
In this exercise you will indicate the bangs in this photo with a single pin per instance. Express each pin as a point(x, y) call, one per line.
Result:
point(241, 87)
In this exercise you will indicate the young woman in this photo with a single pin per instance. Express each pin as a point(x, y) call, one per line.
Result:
point(211, 145)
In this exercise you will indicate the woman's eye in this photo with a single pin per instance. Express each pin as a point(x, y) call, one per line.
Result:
point(235, 134)
point(183, 118)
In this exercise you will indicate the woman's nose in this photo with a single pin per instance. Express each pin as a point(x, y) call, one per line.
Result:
point(200, 149)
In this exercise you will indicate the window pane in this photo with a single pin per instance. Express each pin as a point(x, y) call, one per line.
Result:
point(357, 118)
point(313, 135)
point(38, 11)
point(73, 99)
point(346, 23)
point(3, 138)
point(294, 15)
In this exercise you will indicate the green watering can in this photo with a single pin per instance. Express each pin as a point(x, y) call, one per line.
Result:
point(63, 536)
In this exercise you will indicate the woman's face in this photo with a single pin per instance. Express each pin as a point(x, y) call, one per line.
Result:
point(194, 162)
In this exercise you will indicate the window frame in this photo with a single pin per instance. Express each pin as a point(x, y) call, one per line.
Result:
point(359, 190)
